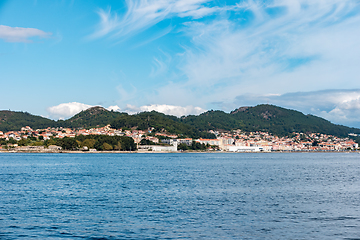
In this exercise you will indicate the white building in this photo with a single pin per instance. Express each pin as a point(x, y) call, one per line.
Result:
point(215, 142)
point(187, 141)
point(233, 148)
point(158, 148)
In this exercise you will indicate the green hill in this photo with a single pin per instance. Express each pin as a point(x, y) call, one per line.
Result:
point(281, 121)
point(13, 121)
point(160, 122)
point(212, 120)
point(92, 117)
point(268, 118)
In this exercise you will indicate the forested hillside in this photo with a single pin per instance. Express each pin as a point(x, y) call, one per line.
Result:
point(267, 118)
point(13, 121)
point(160, 123)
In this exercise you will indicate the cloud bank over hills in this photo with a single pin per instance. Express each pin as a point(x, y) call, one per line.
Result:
point(337, 106)
point(67, 110)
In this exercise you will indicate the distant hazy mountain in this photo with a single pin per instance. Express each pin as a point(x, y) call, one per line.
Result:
point(269, 118)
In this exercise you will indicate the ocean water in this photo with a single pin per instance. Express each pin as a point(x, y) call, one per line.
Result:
point(180, 196)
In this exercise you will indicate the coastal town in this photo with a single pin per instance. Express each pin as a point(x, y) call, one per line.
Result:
point(234, 141)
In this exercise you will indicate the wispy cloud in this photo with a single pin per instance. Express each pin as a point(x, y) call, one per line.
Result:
point(302, 34)
point(160, 65)
point(142, 14)
point(263, 47)
point(19, 34)
point(271, 47)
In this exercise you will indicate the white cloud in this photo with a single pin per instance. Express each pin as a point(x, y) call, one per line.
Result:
point(114, 108)
point(160, 66)
point(285, 46)
point(270, 45)
point(19, 34)
point(166, 109)
point(141, 15)
point(346, 112)
point(304, 46)
point(291, 48)
point(66, 110)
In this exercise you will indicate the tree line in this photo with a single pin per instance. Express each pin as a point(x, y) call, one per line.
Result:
point(81, 142)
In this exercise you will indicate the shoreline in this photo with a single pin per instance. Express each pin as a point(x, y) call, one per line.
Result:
point(164, 152)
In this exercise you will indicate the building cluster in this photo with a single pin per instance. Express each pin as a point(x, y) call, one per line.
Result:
point(234, 141)
point(263, 141)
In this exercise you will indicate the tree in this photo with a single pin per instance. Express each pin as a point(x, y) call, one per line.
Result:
point(146, 142)
point(37, 143)
point(107, 147)
point(67, 143)
point(49, 142)
point(88, 143)
point(182, 147)
point(23, 142)
point(117, 146)
point(12, 141)
point(128, 144)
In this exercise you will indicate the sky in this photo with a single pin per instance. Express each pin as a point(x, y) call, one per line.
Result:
point(181, 57)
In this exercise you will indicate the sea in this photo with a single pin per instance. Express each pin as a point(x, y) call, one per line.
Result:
point(180, 196)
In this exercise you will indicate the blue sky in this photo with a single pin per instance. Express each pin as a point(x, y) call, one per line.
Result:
point(181, 57)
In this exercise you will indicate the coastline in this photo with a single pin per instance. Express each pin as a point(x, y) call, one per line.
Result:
point(164, 152)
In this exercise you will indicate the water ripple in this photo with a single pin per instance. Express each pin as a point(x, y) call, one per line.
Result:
point(179, 196)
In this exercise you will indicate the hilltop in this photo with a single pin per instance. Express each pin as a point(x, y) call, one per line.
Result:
point(92, 117)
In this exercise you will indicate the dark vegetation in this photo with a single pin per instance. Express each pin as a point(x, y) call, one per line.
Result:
point(212, 120)
point(14, 121)
point(98, 142)
point(159, 122)
point(194, 146)
point(108, 143)
point(92, 117)
point(147, 142)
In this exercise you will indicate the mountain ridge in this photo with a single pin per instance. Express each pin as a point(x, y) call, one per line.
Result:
point(264, 117)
